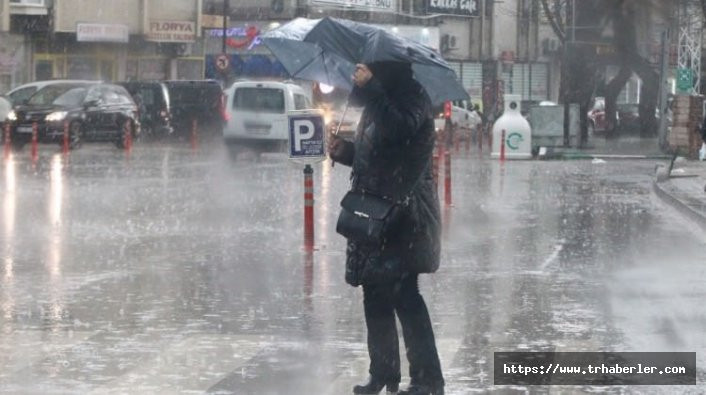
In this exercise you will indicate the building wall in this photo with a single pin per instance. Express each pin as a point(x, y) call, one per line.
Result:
point(67, 13)
point(504, 27)
point(4, 15)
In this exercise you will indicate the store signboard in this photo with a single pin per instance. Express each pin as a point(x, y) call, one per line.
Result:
point(100, 32)
point(171, 31)
point(369, 5)
point(454, 7)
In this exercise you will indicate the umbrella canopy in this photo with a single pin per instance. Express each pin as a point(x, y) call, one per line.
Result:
point(327, 50)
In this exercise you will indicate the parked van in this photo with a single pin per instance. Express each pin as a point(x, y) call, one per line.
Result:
point(258, 112)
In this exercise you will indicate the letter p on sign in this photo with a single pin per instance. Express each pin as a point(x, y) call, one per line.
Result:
point(303, 130)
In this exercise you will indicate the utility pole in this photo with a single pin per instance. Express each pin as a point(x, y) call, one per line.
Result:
point(226, 18)
point(569, 44)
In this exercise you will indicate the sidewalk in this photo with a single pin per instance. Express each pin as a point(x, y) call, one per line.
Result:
point(684, 189)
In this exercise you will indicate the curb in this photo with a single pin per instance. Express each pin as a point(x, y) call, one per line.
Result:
point(691, 214)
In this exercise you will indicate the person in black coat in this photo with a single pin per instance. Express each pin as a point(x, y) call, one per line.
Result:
point(391, 156)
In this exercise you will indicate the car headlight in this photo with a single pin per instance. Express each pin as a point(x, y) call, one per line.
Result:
point(56, 116)
point(12, 116)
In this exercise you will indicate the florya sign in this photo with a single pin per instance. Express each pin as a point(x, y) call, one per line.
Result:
point(171, 31)
point(455, 7)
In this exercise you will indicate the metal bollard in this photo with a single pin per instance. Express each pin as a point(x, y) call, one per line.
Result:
point(194, 134)
point(128, 138)
point(308, 208)
point(447, 179)
point(435, 170)
point(502, 146)
point(35, 141)
point(480, 138)
point(65, 145)
point(7, 145)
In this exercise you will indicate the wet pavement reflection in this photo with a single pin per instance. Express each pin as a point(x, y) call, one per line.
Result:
point(179, 272)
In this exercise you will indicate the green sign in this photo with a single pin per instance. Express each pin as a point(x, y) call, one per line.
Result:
point(685, 80)
point(513, 141)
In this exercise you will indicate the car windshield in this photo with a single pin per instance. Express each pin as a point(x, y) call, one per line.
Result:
point(50, 94)
point(260, 100)
point(73, 97)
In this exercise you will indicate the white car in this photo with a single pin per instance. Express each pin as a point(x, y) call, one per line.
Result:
point(258, 112)
point(464, 119)
point(22, 93)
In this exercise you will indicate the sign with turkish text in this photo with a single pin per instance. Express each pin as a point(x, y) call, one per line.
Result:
point(171, 31)
point(211, 21)
point(377, 5)
point(454, 7)
point(306, 136)
point(100, 32)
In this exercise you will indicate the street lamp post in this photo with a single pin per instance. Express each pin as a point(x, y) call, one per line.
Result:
point(226, 19)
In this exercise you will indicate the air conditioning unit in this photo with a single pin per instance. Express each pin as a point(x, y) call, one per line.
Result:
point(449, 42)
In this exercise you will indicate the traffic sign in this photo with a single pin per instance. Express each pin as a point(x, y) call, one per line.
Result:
point(307, 136)
point(685, 80)
point(222, 62)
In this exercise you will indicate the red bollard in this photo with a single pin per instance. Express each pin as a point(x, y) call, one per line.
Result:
point(128, 138)
point(7, 146)
point(447, 179)
point(480, 138)
point(502, 146)
point(35, 141)
point(194, 135)
point(490, 139)
point(435, 169)
point(65, 145)
point(308, 208)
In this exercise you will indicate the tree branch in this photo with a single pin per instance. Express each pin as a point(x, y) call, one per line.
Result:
point(553, 22)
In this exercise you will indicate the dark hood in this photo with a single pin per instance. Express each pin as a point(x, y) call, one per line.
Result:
point(395, 78)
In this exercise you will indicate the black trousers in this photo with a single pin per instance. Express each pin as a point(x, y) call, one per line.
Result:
point(381, 302)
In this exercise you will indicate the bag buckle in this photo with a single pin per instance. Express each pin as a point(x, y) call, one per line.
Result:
point(361, 214)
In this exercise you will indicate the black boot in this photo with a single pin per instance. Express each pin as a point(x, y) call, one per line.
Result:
point(374, 386)
point(420, 389)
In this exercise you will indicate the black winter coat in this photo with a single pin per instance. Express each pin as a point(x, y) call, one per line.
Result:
point(392, 157)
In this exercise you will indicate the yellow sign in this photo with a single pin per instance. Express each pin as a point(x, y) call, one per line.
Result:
point(211, 21)
point(171, 31)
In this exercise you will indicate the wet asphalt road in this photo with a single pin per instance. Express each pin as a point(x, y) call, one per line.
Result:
point(182, 272)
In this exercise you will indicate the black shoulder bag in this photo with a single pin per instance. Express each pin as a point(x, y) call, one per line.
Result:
point(369, 218)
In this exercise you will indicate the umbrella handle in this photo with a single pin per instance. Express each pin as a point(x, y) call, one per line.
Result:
point(345, 110)
point(338, 127)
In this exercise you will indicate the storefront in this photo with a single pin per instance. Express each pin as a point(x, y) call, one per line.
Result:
point(95, 52)
point(248, 56)
point(12, 59)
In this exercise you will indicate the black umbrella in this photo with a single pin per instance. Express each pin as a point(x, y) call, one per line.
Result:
point(326, 50)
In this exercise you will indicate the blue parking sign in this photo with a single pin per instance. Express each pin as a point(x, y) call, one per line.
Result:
point(307, 136)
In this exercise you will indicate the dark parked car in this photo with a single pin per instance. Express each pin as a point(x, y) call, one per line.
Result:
point(92, 111)
point(202, 101)
point(152, 100)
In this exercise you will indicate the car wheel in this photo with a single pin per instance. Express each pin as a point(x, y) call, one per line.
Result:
point(75, 135)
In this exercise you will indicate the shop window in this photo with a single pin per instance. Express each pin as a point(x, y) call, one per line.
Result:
point(189, 69)
point(81, 68)
point(43, 70)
